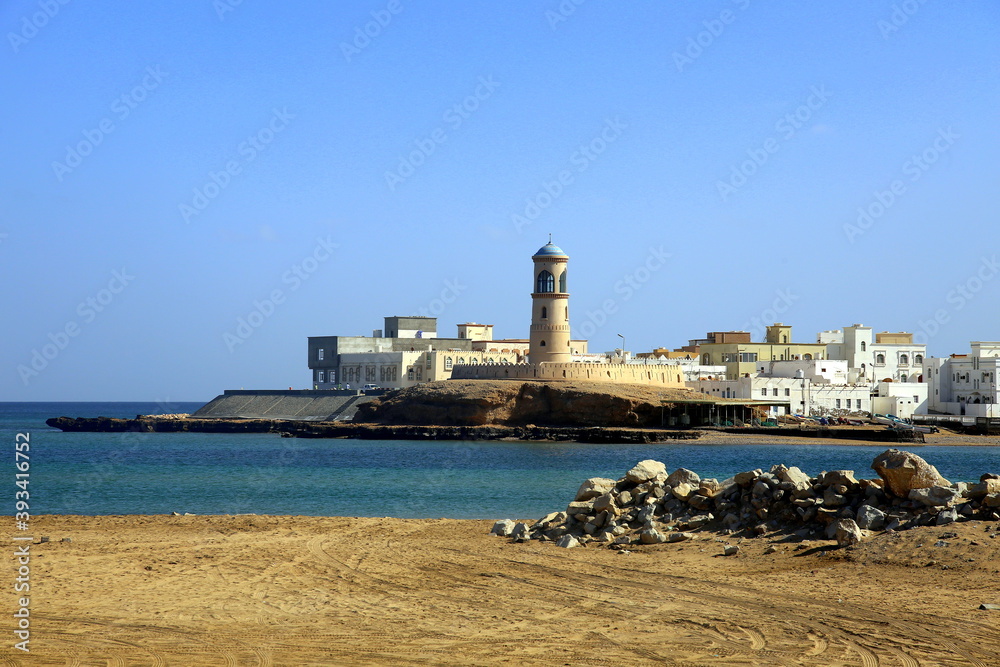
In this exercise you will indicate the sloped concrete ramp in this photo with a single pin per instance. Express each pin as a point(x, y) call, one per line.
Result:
point(298, 404)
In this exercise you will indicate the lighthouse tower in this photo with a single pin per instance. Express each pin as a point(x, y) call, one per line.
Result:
point(549, 342)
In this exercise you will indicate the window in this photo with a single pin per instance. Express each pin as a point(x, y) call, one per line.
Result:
point(562, 281)
point(916, 399)
point(904, 359)
point(542, 344)
point(321, 376)
point(838, 403)
point(880, 358)
point(775, 391)
point(863, 346)
point(918, 358)
point(447, 363)
point(763, 392)
point(409, 374)
point(461, 360)
point(807, 356)
point(903, 377)
point(545, 313)
point(474, 361)
point(321, 356)
point(428, 360)
point(545, 283)
point(848, 404)
point(788, 392)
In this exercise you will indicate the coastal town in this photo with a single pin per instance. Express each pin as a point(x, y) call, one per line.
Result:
point(850, 371)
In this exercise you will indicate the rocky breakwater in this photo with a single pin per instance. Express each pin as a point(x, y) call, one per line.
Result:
point(164, 424)
point(650, 506)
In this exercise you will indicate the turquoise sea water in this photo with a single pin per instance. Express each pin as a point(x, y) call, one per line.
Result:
point(205, 473)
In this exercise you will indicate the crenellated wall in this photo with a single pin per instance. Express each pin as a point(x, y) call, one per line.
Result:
point(666, 376)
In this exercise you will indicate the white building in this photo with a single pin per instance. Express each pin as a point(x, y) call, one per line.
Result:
point(803, 394)
point(965, 384)
point(902, 399)
point(890, 356)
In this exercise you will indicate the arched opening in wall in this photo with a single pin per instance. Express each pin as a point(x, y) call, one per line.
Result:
point(807, 356)
point(545, 283)
point(918, 359)
point(649, 376)
point(541, 344)
point(863, 346)
point(545, 313)
point(609, 373)
point(564, 373)
point(879, 358)
point(562, 281)
point(567, 313)
point(588, 375)
point(903, 359)
point(902, 377)
point(534, 372)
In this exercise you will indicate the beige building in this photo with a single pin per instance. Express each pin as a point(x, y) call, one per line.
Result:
point(734, 350)
point(552, 355)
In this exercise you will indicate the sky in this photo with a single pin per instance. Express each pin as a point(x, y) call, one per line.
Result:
point(190, 190)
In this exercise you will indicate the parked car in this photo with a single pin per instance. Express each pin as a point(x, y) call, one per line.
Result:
point(370, 387)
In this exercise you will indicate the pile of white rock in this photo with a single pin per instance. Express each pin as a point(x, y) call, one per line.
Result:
point(649, 506)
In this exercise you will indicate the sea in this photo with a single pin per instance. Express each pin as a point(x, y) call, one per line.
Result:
point(209, 473)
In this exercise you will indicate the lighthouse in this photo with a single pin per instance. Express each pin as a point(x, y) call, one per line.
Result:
point(549, 340)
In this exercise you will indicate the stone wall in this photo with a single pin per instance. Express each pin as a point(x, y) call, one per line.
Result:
point(658, 375)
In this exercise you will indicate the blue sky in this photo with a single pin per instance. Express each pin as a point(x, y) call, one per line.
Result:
point(174, 170)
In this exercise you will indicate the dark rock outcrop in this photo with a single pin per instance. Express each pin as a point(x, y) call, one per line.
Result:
point(518, 403)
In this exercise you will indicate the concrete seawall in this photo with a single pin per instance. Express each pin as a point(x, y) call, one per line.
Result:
point(295, 404)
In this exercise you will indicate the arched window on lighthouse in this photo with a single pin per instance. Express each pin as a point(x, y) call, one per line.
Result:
point(545, 313)
point(545, 283)
point(562, 281)
point(542, 344)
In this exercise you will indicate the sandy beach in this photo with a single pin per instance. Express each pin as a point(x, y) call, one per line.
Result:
point(263, 590)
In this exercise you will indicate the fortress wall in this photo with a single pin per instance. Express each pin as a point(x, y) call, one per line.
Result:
point(658, 375)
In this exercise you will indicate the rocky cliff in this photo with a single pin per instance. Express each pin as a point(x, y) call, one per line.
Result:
point(517, 403)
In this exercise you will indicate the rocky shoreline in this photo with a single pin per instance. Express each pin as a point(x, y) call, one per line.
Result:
point(649, 506)
point(364, 431)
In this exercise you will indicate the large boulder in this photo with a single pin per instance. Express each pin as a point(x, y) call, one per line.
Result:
point(645, 471)
point(846, 532)
point(904, 471)
point(793, 476)
point(934, 496)
point(503, 528)
point(593, 487)
point(870, 518)
point(683, 476)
